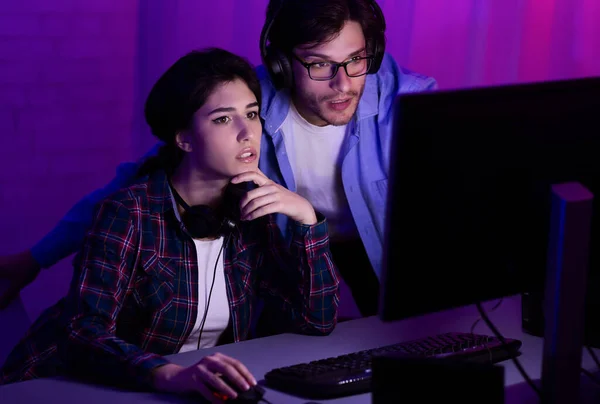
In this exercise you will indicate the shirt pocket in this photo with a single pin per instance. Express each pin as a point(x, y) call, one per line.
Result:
point(242, 275)
point(153, 285)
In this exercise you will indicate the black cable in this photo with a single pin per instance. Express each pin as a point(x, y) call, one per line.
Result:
point(586, 372)
point(211, 289)
point(480, 318)
point(485, 345)
point(497, 334)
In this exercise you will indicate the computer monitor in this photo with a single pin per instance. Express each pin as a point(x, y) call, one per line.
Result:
point(468, 210)
point(474, 212)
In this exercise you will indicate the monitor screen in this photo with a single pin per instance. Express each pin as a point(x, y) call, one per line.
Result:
point(468, 208)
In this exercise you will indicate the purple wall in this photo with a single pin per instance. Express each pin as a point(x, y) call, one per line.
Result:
point(66, 108)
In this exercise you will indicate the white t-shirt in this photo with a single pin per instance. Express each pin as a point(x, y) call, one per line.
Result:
point(217, 317)
point(314, 155)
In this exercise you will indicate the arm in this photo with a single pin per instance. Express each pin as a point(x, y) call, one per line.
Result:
point(103, 273)
point(300, 281)
point(22, 268)
point(67, 237)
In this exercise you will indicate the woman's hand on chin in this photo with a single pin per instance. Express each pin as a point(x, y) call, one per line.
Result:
point(271, 197)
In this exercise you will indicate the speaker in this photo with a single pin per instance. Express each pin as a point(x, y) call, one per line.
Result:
point(398, 378)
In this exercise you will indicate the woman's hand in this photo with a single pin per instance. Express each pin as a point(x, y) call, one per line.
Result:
point(205, 377)
point(270, 197)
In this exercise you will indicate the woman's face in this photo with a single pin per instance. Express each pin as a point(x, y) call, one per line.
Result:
point(224, 138)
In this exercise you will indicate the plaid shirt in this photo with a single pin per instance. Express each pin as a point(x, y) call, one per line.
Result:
point(134, 293)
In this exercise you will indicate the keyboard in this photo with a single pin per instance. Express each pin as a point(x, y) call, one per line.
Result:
point(351, 374)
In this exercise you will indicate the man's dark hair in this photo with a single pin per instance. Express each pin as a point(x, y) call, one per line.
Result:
point(312, 22)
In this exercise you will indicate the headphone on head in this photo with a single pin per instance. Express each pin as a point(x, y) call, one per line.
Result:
point(278, 64)
point(202, 221)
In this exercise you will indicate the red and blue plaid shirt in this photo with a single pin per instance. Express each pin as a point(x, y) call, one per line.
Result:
point(134, 293)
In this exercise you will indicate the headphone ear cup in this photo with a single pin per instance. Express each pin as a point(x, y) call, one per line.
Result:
point(201, 222)
point(378, 54)
point(280, 68)
point(287, 73)
point(378, 44)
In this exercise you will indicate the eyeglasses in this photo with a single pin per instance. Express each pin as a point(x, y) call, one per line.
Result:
point(322, 71)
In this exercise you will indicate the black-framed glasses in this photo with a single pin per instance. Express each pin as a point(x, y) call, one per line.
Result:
point(321, 71)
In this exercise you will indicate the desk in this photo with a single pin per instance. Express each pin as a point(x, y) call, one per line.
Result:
point(261, 355)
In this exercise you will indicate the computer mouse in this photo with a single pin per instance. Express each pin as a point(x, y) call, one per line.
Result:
point(250, 396)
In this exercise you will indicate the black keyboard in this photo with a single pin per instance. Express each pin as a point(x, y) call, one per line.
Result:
point(351, 374)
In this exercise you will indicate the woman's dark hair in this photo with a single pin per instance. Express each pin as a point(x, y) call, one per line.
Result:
point(182, 90)
point(306, 22)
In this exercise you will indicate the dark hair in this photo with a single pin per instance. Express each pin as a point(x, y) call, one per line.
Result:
point(301, 22)
point(182, 90)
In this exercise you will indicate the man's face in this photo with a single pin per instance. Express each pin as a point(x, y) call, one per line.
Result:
point(334, 101)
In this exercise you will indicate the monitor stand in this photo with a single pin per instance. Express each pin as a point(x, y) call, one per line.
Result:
point(564, 296)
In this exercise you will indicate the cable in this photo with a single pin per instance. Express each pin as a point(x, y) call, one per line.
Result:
point(485, 345)
point(497, 334)
point(484, 316)
point(498, 303)
point(211, 289)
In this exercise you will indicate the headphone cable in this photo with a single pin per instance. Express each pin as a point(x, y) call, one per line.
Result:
point(211, 288)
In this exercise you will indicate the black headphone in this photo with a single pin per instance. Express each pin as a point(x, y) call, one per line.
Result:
point(278, 64)
point(202, 221)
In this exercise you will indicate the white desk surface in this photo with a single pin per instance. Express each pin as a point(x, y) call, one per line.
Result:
point(262, 355)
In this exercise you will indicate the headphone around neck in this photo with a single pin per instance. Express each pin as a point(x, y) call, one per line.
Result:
point(278, 64)
point(202, 221)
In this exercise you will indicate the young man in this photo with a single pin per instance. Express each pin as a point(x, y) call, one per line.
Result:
point(328, 96)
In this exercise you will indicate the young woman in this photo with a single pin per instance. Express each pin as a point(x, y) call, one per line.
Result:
point(178, 260)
